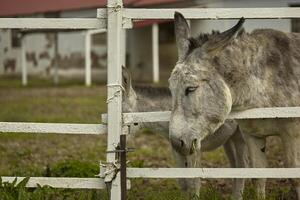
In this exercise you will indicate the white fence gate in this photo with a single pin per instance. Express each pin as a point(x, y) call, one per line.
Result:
point(116, 19)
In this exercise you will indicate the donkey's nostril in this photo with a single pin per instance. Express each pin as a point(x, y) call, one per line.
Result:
point(194, 146)
point(181, 143)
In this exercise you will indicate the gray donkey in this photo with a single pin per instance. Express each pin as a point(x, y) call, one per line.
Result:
point(234, 70)
point(147, 98)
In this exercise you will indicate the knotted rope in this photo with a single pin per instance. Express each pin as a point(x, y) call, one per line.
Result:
point(116, 93)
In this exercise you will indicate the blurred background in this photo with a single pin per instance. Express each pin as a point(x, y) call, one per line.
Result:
point(62, 55)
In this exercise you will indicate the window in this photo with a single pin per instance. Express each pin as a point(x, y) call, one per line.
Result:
point(15, 38)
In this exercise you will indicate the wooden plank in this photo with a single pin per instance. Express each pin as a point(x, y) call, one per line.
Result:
point(55, 182)
point(155, 52)
point(137, 117)
point(130, 118)
point(212, 13)
point(52, 23)
point(102, 14)
point(213, 172)
point(255, 113)
point(56, 63)
point(24, 61)
point(267, 113)
point(59, 128)
point(88, 60)
point(114, 86)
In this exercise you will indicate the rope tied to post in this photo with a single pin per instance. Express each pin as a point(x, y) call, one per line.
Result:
point(116, 93)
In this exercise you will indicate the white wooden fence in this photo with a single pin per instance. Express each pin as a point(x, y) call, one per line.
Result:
point(115, 19)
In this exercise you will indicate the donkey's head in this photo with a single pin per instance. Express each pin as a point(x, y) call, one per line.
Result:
point(201, 99)
point(129, 95)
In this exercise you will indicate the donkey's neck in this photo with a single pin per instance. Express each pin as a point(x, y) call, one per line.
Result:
point(153, 98)
point(262, 69)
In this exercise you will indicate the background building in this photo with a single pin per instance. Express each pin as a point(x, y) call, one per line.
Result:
point(64, 52)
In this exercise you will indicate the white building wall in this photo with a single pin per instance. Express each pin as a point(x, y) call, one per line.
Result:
point(40, 50)
point(74, 42)
point(7, 53)
point(40, 53)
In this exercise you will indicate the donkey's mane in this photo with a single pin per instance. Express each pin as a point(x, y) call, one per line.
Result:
point(152, 91)
point(198, 41)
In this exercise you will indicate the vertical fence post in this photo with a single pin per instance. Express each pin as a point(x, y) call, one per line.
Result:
point(55, 74)
point(124, 47)
point(88, 70)
point(23, 61)
point(155, 52)
point(114, 89)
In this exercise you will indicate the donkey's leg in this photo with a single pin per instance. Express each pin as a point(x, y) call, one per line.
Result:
point(230, 151)
point(256, 147)
point(191, 186)
point(292, 147)
point(238, 145)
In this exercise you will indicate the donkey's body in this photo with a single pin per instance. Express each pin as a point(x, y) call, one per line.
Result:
point(147, 98)
point(234, 70)
point(271, 78)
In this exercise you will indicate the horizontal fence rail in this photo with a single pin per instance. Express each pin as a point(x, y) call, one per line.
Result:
point(255, 113)
point(58, 128)
point(58, 182)
point(213, 172)
point(52, 23)
point(207, 13)
point(130, 118)
point(266, 113)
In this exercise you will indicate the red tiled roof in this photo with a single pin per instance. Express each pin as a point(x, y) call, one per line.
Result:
point(23, 7)
point(139, 3)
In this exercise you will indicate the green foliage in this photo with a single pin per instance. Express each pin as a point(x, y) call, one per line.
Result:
point(14, 190)
point(137, 163)
point(18, 191)
point(209, 192)
point(163, 195)
point(282, 193)
point(73, 168)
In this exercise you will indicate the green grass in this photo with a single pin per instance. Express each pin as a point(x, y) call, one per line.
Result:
point(78, 155)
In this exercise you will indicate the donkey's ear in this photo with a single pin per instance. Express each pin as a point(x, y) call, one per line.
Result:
point(223, 39)
point(182, 34)
point(126, 78)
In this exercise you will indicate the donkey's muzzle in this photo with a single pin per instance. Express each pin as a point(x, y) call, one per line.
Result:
point(185, 146)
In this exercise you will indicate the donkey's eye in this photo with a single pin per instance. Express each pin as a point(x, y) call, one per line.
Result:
point(189, 90)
